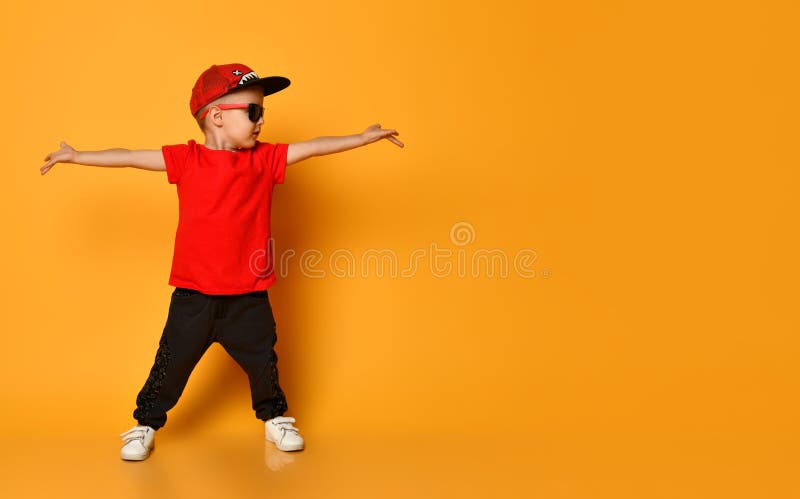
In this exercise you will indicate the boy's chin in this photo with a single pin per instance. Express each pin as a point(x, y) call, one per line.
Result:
point(247, 144)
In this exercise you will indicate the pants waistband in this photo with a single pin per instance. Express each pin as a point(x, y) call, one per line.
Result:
point(189, 291)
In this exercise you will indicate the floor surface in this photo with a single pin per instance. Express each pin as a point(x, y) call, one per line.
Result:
point(497, 464)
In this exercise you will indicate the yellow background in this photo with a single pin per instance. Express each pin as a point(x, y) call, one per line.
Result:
point(646, 151)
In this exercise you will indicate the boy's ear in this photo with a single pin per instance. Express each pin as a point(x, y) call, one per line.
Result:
point(215, 115)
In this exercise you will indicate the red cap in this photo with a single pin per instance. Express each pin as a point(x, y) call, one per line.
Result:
point(217, 81)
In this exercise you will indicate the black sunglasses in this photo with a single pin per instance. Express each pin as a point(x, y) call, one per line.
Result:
point(254, 111)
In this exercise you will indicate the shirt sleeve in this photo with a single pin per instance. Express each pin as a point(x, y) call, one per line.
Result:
point(274, 156)
point(175, 158)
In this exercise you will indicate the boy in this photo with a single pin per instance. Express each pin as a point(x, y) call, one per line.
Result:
point(221, 266)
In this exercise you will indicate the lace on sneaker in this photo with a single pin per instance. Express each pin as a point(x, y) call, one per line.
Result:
point(285, 424)
point(133, 434)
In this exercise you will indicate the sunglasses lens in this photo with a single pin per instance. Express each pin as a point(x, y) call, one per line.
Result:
point(254, 112)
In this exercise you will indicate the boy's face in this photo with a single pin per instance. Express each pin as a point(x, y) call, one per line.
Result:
point(236, 124)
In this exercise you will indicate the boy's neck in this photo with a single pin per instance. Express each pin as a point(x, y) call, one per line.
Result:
point(216, 147)
point(218, 143)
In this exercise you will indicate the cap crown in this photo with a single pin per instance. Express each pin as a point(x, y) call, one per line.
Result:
point(217, 81)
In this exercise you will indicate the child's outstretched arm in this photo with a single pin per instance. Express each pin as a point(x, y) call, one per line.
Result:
point(329, 145)
point(144, 159)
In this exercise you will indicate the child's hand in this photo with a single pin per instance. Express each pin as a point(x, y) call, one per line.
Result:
point(374, 132)
point(64, 155)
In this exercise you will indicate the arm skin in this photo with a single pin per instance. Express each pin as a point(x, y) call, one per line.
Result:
point(329, 145)
point(146, 159)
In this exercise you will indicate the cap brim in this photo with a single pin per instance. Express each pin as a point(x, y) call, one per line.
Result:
point(270, 84)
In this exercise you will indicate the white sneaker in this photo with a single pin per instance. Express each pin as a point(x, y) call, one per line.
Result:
point(139, 440)
point(285, 436)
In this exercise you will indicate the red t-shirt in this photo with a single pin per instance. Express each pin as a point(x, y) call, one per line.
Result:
point(222, 245)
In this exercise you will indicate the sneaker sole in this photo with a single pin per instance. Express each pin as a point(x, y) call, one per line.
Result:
point(138, 458)
point(285, 448)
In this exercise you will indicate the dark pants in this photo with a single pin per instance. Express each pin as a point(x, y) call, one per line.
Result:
point(244, 326)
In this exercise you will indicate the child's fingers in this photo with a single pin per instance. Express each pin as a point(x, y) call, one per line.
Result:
point(50, 164)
